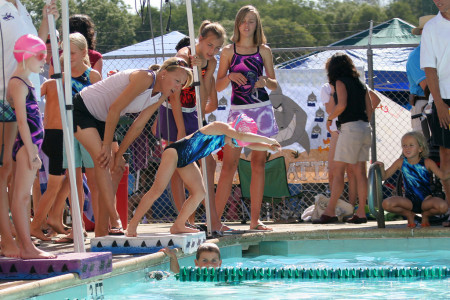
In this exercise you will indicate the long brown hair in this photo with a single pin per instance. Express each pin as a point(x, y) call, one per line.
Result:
point(258, 38)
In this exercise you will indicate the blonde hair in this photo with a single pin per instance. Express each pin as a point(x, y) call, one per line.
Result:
point(80, 41)
point(154, 67)
point(212, 27)
point(174, 63)
point(258, 38)
point(421, 140)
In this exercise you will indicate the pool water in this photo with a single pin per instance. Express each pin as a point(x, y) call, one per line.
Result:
point(414, 288)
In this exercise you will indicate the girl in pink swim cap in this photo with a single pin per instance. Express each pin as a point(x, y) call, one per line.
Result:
point(30, 52)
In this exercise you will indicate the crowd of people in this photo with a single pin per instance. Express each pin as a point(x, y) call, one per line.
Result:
point(247, 65)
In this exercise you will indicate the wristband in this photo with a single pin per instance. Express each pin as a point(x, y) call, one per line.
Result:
point(329, 120)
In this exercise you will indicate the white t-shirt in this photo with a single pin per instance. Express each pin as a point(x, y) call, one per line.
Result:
point(15, 22)
point(325, 94)
point(435, 51)
point(99, 96)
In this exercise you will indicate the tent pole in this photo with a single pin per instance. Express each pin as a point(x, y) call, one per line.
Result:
point(199, 111)
point(370, 80)
point(67, 119)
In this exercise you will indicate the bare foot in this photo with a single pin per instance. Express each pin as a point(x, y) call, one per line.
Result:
point(10, 250)
point(37, 233)
point(35, 253)
point(182, 229)
point(59, 227)
point(131, 230)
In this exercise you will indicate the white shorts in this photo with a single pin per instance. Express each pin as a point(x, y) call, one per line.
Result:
point(353, 145)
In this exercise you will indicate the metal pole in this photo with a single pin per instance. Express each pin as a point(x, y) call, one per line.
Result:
point(66, 107)
point(161, 26)
point(370, 79)
point(151, 28)
point(199, 110)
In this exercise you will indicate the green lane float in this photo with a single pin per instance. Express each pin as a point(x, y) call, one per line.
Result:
point(241, 274)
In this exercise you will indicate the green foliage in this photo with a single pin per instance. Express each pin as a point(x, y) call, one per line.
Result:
point(287, 23)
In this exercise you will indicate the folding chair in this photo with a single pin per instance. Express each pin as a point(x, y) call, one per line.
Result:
point(276, 189)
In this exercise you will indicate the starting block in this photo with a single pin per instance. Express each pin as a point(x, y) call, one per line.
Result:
point(148, 243)
point(84, 264)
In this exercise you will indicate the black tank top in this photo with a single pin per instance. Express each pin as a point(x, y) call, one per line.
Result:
point(356, 104)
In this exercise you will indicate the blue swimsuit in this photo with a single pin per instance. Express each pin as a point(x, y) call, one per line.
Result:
point(416, 182)
point(198, 146)
point(34, 121)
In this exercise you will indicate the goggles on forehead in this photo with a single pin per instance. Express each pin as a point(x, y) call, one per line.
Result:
point(178, 62)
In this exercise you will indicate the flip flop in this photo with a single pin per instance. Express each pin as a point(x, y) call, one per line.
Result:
point(425, 224)
point(64, 240)
point(261, 227)
point(412, 225)
point(116, 231)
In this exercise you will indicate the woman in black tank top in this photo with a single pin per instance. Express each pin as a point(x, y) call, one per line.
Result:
point(353, 110)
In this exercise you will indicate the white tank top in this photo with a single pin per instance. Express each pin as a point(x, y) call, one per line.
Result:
point(99, 96)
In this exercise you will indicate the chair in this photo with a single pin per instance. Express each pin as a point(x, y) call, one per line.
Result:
point(276, 190)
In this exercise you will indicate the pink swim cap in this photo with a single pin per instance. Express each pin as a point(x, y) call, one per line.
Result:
point(27, 46)
point(244, 123)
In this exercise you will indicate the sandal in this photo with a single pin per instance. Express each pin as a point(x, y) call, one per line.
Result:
point(261, 227)
point(324, 219)
point(411, 225)
point(425, 224)
point(356, 220)
point(116, 231)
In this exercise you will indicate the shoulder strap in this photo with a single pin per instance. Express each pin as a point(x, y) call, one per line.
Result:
point(154, 79)
point(20, 80)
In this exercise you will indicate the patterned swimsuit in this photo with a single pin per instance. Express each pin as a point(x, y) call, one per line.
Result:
point(416, 182)
point(34, 121)
point(80, 82)
point(198, 146)
point(251, 66)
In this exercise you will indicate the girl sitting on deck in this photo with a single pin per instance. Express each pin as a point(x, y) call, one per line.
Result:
point(416, 169)
point(181, 155)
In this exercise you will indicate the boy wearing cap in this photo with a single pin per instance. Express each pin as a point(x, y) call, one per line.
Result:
point(435, 61)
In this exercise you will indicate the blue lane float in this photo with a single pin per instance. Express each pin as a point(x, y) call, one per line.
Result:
point(86, 265)
point(146, 244)
point(241, 274)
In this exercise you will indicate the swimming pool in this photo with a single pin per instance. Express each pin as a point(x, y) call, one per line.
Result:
point(301, 254)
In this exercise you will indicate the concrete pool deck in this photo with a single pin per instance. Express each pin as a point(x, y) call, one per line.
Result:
point(21, 289)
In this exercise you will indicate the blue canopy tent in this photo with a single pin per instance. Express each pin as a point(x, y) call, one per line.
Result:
point(389, 64)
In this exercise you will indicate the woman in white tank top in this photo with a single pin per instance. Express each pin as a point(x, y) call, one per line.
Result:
point(97, 109)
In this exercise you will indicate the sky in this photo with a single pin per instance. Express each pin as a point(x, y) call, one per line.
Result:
point(157, 3)
point(131, 3)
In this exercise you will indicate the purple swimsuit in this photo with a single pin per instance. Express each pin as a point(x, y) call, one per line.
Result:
point(254, 102)
point(34, 121)
point(251, 66)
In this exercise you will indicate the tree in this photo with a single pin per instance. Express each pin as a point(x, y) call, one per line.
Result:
point(114, 25)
